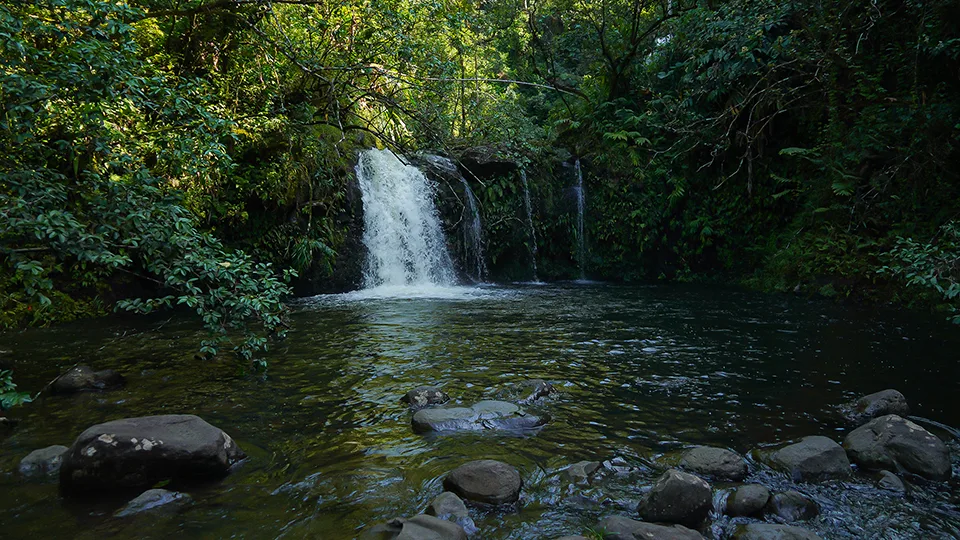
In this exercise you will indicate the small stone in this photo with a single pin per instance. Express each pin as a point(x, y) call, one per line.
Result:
point(420, 527)
point(622, 528)
point(891, 482)
point(422, 396)
point(42, 462)
point(534, 389)
point(790, 506)
point(892, 442)
point(449, 507)
point(486, 481)
point(717, 463)
point(84, 379)
point(877, 404)
point(811, 460)
point(677, 497)
point(748, 500)
point(769, 531)
point(155, 499)
point(485, 415)
point(580, 472)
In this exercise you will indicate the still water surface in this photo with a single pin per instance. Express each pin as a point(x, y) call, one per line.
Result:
point(642, 373)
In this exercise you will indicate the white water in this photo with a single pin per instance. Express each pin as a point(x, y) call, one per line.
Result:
point(406, 249)
point(474, 262)
point(532, 231)
point(581, 251)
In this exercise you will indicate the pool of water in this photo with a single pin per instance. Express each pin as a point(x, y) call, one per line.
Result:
point(641, 373)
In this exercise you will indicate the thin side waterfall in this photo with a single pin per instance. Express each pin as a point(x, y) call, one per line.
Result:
point(581, 250)
point(476, 266)
point(532, 232)
point(405, 243)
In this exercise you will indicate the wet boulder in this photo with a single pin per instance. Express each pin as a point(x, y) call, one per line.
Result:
point(790, 506)
point(420, 527)
point(42, 462)
point(892, 442)
point(748, 500)
point(891, 482)
point(769, 531)
point(621, 528)
point(677, 497)
point(422, 396)
point(877, 404)
point(139, 452)
point(486, 481)
point(449, 507)
point(84, 379)
point(811, 460)
point(481, 416)
point(717, 463)
point(155, 500)
point(580, 472)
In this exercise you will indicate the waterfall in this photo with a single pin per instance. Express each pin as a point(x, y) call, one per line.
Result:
point(532, 232)
point(471, 228)
point(405, 243)
point(581, 251)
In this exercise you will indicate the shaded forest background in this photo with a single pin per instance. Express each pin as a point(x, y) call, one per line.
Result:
point(200, 153)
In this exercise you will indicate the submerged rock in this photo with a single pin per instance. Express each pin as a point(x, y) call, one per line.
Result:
point(621, 528)
point(483, 415)
point(486, 481)
point(155, 500)
point(82, 378)
point(422, 396)
point(575, 537)
point(677, 497)
point(811, 460)
point(42, 462)
point(790, 506)
point(892, 442)
point(891, 482)
point(769, 531)
point(449, 507)
point(748, 500)
point(534, 389)
point(420, 527)
point(877, 404)
point(580, 472)
point(139, 452)
point(718, 463)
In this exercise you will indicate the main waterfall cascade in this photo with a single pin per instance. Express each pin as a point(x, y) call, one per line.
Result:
point(402, 232)
point(531, 231)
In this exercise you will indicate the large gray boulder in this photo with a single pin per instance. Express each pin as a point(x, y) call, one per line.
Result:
point(811, 460)
point(621, 528)
point(790, 506)
point(139, 452)
point(677, 497)
point(84, 379)
point(769, 531)
point(892, 442)
point(483, 415)
point(43, 462)
point(877, 404)
point(420, 527)
point(422, 396)
point(748, 500)
point(486, 481)
point(717, 463)
point(155, 500)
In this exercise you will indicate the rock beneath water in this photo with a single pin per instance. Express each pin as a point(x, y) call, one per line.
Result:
point(677, 497)
point(422, 396)
point(891, 482)
point(420, 527)
point(534, 389)
point(139, 452)
point(42, 462)
point(790, 506)
point(877, 404)
point(449, 507)
point(891, 442)
point(748, 500)
point(483, 415)
point(621, 528)
point(155, 499)
point(82, 378)
point(486, 481)
point(580, 472)
point(768, 531)
point(811, 460)
point(718, 463)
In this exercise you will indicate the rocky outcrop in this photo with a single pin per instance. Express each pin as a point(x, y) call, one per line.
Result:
point(449, 507)
point(717, 463)
point(892, 442)
point(677, 497)
point(155, 500)
point(43, 462)
point(769, 531)
point(485, 162)
point(420, 527)
point(422, 396)
point(748, 500)
point(877, 404)
point(790, 506)
point(581, 472)
point(483, 415)
point(84, 379)
point(139, 452)
point(811, 460)
point(621, 528)
point(486, 481)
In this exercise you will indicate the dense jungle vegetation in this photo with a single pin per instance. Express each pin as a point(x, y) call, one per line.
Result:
point(160, 153)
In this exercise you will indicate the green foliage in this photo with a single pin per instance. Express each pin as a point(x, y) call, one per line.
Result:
point(9, 396)
point(934, 266)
